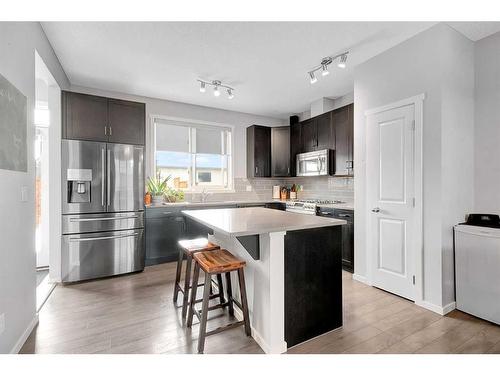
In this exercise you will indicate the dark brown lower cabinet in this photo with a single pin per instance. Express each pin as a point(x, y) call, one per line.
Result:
point(313, 283)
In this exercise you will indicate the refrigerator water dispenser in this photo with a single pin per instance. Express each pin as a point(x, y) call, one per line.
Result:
point(79, 181)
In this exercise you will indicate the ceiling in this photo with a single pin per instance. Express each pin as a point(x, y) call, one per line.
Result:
point(266, 63)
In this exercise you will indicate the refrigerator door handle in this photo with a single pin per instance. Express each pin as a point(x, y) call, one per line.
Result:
point(102, 238)
point(76, 220)
point(108, 172)
point(103, 171)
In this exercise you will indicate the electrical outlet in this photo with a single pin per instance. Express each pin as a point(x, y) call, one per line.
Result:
point(249, 187)
point(2, 323)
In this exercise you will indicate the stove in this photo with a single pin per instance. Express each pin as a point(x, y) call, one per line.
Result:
point(308, 206)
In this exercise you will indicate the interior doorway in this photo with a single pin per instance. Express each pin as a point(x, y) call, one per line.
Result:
point(47, 168)
point(394, 197)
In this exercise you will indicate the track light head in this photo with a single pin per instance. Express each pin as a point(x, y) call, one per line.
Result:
point(325, 70)
point(216, 91)
point(313, 78)
point(230, 94)
point(342, 62)
point(202, 86)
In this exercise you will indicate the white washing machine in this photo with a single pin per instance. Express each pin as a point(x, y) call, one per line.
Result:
point(477, 266)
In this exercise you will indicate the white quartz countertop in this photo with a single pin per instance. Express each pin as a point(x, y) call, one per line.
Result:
point(213, 203)
point(257, 220)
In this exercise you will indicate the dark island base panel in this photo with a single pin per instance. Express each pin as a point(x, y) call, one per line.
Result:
point(313, 283)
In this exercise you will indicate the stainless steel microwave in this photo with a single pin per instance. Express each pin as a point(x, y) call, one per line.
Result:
point(316, 163)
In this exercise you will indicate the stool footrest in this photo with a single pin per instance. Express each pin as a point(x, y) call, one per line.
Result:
point(226, 327)
point(210, 308)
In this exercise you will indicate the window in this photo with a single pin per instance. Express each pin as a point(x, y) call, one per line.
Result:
point(196, 156)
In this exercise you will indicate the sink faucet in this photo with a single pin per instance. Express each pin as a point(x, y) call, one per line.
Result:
point(204, 195)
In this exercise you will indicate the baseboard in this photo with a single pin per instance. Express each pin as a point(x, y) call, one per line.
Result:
point(25, 335)
point(441, 310)
point(361, 279)
point(258, 338)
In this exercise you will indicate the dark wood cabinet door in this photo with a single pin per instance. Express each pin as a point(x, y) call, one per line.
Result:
point(84, 117)
point(280, 151)
point(262, 151)
point(343, 125)
point(126, 121)
point(309, 135)
point(295, 146)
point(324, 127)
point(258, 151)
point(162, 235)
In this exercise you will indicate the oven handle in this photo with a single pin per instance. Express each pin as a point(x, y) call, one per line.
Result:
point(102, 238)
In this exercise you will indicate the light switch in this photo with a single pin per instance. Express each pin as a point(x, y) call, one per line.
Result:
point(24, 193)
point(249, 187)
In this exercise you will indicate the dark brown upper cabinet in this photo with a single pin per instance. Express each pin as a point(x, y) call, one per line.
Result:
point(96, 118)
point(84, 117)
point(258, 151)
point(343, 125)
point(126, 122)
point(317, 133)
point(295, 145)
point(280, 151)
point(325, 131)
point(309, 135)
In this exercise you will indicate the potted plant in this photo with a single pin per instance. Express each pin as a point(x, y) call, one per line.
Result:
point(174, 195)
point(158, 188)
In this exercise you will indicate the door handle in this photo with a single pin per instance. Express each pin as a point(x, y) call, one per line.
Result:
point(102, 176)
point(108, 183)
point(75, 239)
point(376, 209)
point(76, 220)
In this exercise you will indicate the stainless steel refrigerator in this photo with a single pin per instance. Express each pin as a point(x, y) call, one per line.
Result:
point(102, 209)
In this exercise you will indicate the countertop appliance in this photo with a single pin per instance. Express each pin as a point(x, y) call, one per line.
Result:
point(102, 209)
point(308, 207)
point(477, 266)
point(315, 163)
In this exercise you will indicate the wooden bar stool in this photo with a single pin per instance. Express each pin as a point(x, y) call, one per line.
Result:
point(188, 248)
point(217, 262)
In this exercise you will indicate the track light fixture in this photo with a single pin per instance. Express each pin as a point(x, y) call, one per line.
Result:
point(216, 85)
point(313, 77)
point(342, 59)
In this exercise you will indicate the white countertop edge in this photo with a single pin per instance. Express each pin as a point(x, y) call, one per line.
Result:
point(288, 228)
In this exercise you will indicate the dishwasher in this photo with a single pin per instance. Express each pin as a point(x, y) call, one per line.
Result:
point(477, 266)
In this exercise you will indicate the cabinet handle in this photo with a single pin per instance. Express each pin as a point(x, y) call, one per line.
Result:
point(110, 130)
point(343, 215)
point(105, 130)
point(256, 170)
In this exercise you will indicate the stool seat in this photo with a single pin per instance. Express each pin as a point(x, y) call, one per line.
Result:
point(197, 244)
point(218, 261)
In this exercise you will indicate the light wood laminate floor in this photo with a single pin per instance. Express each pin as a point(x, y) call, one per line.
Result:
point(135, 314)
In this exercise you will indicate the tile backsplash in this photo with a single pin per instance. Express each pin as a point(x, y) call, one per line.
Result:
point(340, 188)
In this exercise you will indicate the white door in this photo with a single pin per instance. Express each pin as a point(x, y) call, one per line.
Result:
point(390, 198)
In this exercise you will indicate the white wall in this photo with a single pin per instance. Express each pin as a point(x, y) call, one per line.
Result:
point(195, 112)
point(487, 125)
point(18, 41)
point(421, 65)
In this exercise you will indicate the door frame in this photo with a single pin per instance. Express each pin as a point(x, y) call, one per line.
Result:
point(417, 102)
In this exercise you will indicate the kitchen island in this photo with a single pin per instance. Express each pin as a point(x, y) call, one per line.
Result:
point(293, 273)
